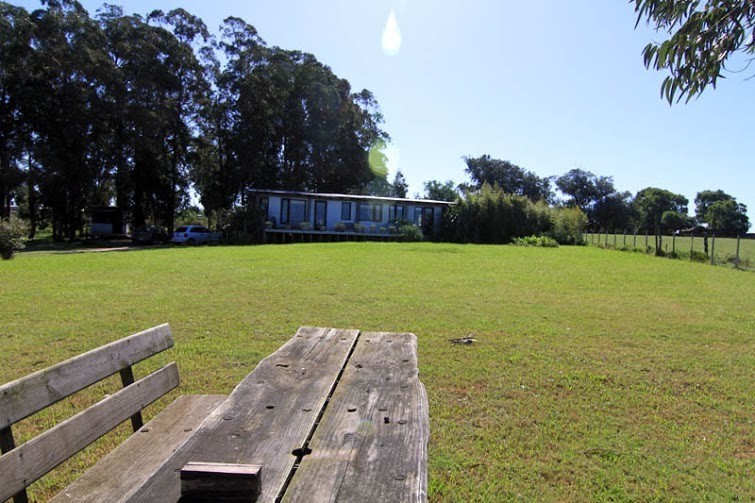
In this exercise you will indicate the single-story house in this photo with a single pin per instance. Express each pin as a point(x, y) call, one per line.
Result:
point(329, 213)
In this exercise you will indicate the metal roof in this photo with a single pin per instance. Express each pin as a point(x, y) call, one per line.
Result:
point(349, 197)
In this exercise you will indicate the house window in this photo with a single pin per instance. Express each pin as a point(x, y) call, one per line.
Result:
point(370, 212)
point(396, 213)
point(293, 210)
point(423, 216)
point(345, 211)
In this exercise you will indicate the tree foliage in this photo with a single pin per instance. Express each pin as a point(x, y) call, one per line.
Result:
point(441, 191)
point(728, 218)
point(493, 216)
point(584, 188)
point(597, 198)
point(702, 36)
point(651, 204)
point(400, 187)
point(508, 176)
point(136, 110)
point(12, 231)
point(721, 212)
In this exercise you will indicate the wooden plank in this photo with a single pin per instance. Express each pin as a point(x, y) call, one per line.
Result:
point(28, 462)
point(23, 397)
point(220, 482)
point(269, 415)
point(125, 469)
point(371, 443)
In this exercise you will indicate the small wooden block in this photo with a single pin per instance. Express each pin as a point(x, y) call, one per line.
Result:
point(225, 482)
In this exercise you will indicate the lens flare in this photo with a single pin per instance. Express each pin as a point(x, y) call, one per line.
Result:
point(378, 160)
point(391, 35)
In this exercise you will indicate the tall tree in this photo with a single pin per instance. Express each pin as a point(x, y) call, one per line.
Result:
point(705, 198)
point(612, 211)
point(702, 36)
point(400, 187)
point(728, 217)
point(182, 103)
point(508, 176)
point(584, 188)
point(68, 117)
point(441, 191)
point(15, 34)
point(651, 203)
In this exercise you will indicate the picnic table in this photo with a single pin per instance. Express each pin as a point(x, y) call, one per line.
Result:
point(333, 415)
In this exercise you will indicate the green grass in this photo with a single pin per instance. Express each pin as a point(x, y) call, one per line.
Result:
point(597, 375)
point(724, 249)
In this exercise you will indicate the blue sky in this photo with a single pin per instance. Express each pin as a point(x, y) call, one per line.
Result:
point(548, 85)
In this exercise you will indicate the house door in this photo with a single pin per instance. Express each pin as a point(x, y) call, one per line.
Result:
point(321, 215)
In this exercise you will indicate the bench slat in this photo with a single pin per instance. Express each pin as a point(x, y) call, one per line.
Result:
point(23, 397)
point(119, 474)
point(30, 461)
point(268, 416)
point(371, 443)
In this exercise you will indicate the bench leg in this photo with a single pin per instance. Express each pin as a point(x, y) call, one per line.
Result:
point(7, 444)
point(127, 378)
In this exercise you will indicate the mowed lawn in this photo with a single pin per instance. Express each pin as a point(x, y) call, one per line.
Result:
point(597, 375)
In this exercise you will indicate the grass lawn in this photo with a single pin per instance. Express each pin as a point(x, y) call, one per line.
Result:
point(597, 375)
point(724, 249)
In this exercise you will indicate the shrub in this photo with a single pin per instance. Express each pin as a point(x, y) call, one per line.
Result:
point(537, 241)
point(569, 225)
point(12, 237)
point(493, 217)
point(244, 225)
point(410, 232)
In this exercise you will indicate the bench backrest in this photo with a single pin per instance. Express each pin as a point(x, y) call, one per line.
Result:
point(21, 466)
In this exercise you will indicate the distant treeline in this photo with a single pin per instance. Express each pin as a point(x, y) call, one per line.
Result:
point(504, 201)
point(135, 110)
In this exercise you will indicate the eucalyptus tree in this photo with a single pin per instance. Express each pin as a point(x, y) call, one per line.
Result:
point(157, 85)
point(15, 34)
point(181, 103)
point(702, 36)
point(280, 119)
point(67, 116)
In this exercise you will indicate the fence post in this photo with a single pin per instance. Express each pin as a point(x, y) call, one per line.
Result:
point(673, 244)
point(634, 243)
point(736, 259)
point(625, 236)
point(713, 250)
point(614, 237)
point(646, 239)
point(606, 244)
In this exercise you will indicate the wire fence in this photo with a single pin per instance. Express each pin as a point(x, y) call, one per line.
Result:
point(736, 252)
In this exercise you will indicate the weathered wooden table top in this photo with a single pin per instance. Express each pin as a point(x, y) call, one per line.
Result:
point(333, 415)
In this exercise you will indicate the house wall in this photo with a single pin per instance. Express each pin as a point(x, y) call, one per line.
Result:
point(334, 215)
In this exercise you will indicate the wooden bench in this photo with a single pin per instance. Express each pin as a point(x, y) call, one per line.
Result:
point(333, 415)
point(130, 464)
